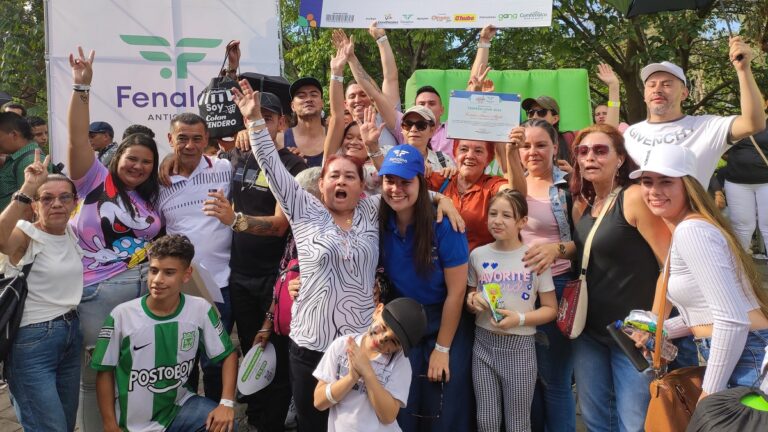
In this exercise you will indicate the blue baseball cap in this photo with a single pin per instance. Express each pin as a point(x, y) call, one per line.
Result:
point(101, 127)
point(403, 161)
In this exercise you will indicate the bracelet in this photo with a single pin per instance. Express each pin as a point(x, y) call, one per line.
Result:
point(382, 39)
point(338, 78)
point(442, 349)
point(521, 319)
point(483, 44)
point(234, 221)
point(612, 104)
point(377, 153)
point(227, 403)
point(255, 123)
point(269, 316)
point(561, 249)
point(265, 330)
point(22, 198)
point(81, 87)
point(329, 396)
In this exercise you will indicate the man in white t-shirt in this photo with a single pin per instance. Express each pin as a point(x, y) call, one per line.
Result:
point(188, 206)
point(707, 136)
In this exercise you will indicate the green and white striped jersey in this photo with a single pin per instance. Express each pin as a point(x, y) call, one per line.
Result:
point(153, 356)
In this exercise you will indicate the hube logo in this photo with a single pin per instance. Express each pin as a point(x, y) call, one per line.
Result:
point(182, 60)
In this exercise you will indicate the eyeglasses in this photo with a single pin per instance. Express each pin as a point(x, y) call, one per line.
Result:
point(440, 406)
point(600, 150)
point(64, 199)
point(542, 112)
point(420, 125)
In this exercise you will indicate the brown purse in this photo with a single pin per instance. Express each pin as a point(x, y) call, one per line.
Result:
point(674, 395)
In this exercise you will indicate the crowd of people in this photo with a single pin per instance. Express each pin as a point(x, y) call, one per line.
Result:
point(430, 269)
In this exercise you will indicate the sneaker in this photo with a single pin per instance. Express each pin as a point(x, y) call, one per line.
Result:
point(760, 256)
point(290, 419)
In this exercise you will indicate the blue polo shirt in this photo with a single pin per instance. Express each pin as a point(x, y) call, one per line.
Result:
point(450, 250)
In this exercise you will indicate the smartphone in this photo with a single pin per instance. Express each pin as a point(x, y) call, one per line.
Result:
point(628, 347)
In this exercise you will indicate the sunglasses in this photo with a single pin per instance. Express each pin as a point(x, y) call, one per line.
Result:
point(541, 112)
point(421, 125)
point(599, 149)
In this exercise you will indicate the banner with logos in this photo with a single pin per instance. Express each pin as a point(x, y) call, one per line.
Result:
point(425, 13)
point(153, 57)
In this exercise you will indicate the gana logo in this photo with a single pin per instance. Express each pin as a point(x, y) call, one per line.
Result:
point(182, 60)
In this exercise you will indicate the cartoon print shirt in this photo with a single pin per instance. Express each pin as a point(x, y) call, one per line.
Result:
point(519, 286)
point(112, 240)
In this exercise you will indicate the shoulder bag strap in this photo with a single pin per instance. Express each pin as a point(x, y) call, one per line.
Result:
point(759, 150)
point(588, 242)
point(662, 311)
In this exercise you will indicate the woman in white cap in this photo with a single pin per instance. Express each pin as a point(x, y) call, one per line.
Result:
point(712, 280)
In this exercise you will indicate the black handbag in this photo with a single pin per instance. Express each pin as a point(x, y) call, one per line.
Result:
point(726, 411)
point(217, 107)
point(13, 294)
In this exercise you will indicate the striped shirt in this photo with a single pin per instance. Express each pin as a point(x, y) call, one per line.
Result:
point(152, 357)
point(337, 266)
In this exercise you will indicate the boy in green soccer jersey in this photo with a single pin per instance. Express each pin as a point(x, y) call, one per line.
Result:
point(146, 351)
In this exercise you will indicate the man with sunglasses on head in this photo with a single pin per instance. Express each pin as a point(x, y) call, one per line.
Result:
point(547, 109)
point(708, 136)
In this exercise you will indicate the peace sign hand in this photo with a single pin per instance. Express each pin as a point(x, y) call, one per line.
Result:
point(82, 68)
point(35, 174)
point(248, 100)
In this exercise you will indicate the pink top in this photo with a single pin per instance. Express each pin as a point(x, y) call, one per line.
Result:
point(112, 240)
point(542, 228)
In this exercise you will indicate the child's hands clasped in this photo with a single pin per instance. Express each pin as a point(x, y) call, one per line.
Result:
point(510, 320)
point(476, 303)
point(359, 365)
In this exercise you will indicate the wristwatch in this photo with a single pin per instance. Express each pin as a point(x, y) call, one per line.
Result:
point(22, 198)
point(561, 249)
point(240, 224)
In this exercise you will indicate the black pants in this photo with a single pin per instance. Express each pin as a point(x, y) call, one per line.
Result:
point(251, 297)
point(303, 362)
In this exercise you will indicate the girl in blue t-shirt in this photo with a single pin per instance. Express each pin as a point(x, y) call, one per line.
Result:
point(427, 261)
point(503, 294)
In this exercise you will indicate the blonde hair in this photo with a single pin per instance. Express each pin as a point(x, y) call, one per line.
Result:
point(700, 203)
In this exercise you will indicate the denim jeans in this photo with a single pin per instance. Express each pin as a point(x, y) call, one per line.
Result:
point(43, 372)
point(554, 408)
point(193, 415)
point(212, 371)
point(747, 369)
point(97, 302)
point(613, 395)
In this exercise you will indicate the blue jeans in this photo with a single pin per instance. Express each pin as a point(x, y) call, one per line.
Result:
point(554, 408)
point(212, 371)
point(747, 369)
point(192, 415)
point(97, 302)
point(613, 395)
point(43, 372)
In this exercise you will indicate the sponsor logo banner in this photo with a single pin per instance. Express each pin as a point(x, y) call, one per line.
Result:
point(425, 13)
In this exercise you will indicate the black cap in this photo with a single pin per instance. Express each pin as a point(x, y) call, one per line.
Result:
point(101, 127)
point(407, 319)
point(269, 101)
point(306, 81)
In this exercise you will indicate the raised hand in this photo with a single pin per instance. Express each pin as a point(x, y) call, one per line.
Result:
point(606, 74)
point(517, 136)
point(35, 174)
point(339, 60)
point(476, 80)
point(248, 100)
point(233, 54)
point(368, 129)
point(345, 42)
point(375, 31)
point(82, 67)
point(487, 33)
point(737, 48)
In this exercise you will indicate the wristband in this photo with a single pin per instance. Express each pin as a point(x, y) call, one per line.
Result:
point(442, 349)
point(22, 198)
point(521, 319)
point(483, 44)
point(81, 87)
point(338, 78)
point(329, 396)
point(265, 330)
point(375, 154)
point(612, 104)
point(382, 39)
point(256, 123)
point(227, 403)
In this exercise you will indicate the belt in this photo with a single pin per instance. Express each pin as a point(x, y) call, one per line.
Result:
point(69, 316)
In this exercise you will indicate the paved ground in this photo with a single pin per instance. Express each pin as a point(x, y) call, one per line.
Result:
point(8, 421)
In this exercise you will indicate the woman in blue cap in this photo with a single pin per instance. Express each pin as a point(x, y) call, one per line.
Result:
point(427, 261)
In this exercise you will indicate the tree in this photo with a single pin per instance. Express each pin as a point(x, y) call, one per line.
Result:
point(22, 53)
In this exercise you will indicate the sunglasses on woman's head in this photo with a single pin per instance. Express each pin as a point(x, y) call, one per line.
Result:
point(599, 149)
point(541, 112)
point(420, 125)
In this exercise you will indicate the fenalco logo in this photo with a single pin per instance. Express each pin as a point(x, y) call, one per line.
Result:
point(182, 60)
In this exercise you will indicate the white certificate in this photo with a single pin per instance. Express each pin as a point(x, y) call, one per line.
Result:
point(483, 116)
point(425, 13)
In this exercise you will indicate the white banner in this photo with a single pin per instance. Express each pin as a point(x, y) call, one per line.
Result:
point(153, 57)
point(425, 13)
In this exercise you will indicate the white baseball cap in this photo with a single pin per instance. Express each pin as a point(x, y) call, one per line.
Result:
point(664, 66)
point(671, 160)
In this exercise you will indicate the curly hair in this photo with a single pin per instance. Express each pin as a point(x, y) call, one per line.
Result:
point(172, 246)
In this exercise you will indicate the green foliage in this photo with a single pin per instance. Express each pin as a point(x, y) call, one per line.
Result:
point(22, 53)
